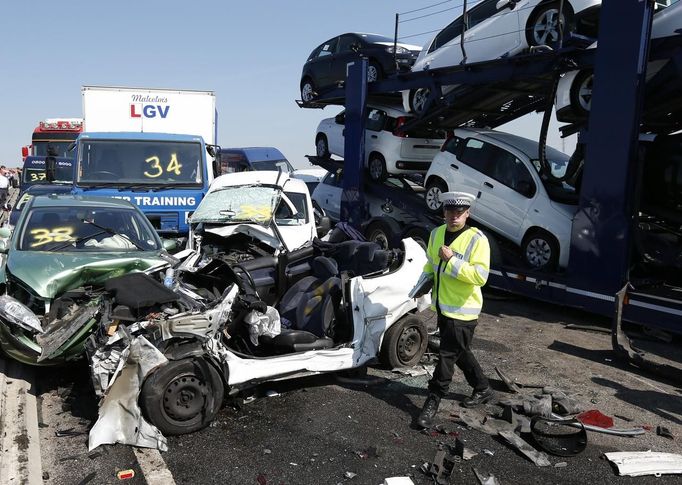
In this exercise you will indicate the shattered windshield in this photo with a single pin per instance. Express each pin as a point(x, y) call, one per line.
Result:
point(244, 203)
point(141, 163)
point(86, 229)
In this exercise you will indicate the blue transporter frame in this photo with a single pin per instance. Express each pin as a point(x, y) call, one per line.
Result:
point(603, 230)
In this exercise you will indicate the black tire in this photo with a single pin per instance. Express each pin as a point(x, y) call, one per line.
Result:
point(581, 93)
point(376, 166)
point(540, 29)
point(540, 250)
point(374, 72)
point(383, 233)
point(419, 100)
point(307, 90)
point(434, 187)
point(183, 396)
point(420, 236)
point(404, 343)
point(322, 146)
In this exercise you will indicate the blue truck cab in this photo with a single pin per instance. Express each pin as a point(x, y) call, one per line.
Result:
point(253, 158)
point(165, 175)
point(33, 172)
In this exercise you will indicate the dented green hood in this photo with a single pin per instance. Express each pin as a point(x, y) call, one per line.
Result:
point(50, 274)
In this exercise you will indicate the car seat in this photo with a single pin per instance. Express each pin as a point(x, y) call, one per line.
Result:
point(308, 310)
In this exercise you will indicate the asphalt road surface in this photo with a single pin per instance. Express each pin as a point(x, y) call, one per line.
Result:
point(331, 430)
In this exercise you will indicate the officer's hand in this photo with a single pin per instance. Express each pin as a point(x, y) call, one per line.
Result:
point(445, 253)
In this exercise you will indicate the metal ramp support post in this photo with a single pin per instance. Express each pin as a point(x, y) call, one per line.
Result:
point(602, 229)
point(352, 200)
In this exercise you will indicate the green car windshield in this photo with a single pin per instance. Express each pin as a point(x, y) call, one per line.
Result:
point(86, 229)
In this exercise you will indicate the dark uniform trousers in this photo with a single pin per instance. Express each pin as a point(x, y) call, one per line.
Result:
point(455, 343)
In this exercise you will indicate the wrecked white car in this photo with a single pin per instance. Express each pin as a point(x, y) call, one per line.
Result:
point(246, 215)
point(164, 357)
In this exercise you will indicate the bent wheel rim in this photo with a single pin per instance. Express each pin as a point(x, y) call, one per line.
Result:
point(184, 398)
point(538, 252)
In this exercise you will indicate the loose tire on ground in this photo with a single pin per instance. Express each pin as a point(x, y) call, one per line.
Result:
point(183, 396)
point(404, 343)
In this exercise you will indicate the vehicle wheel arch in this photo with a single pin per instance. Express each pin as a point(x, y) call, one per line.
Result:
point(377, 64)
point(380, 156)
point(178, 349)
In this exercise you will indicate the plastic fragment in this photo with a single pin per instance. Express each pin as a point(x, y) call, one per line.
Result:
point(350, 475)
point(537, 457)
point(665, 432)
point(125, 474)
point(594, 417)
point(485, 480)
point(561, 464)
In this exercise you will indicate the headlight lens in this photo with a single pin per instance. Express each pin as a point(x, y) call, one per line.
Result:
point(398, 50)
point(15, 312)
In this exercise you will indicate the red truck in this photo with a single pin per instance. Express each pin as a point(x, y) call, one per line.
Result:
point(58, 132)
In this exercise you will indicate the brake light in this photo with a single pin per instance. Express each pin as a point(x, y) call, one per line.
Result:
point(400, 121)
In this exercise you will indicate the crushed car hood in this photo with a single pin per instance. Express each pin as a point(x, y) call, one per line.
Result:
point(50, 274)
point(256, 231)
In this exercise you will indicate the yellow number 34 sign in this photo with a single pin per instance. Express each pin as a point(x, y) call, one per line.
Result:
point(46, 236)
point(173, 166)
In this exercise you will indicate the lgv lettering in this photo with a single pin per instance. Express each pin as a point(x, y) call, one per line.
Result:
point(153, 201)
point(148, 110)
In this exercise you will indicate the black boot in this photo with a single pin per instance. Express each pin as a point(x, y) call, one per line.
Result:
point(478, 397)
point(429, 410)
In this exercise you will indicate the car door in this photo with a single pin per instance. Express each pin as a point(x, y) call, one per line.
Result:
point(335, 134)
point(322, 64)
point(490, 33)
point(328, 194)
point(505, 193)
point(343, 54)
point(444, 50)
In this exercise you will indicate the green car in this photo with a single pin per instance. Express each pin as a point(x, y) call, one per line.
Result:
point(60, 254)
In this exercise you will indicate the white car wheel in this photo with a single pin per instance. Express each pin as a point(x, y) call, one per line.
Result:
point(419, 97)
point(307, 93)
point(373, 73)
point(584, 93)
point(321, 148)
point(432, 195)
point(543, 28)
point(541, 250)
point(377, 168)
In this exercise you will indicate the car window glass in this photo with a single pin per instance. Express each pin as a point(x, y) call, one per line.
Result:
point(375, 120)
point(283, 215)
point(329, 179)
point(511, 171)
point(451, 144)
point(315, 53)
point(346, 42)
point(328, 48)
point(476, 154)
point(446, 35)
point(481, 12)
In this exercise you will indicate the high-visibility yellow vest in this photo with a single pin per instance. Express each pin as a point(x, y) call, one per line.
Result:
point(457, 282)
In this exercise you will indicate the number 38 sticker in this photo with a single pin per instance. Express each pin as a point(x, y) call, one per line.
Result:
point(46, 236)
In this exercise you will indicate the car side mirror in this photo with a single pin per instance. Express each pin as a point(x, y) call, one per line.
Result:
point(502, 4)
point(50, 169)
point(169, 244)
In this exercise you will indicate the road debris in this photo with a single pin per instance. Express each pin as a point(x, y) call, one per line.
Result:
point(398, 481)
point(559, 437)
point(485, 479)
point(537, 457)
point(595, 417)
point(125, 474)
point(350, 475)
point(639, 463)
point(464, 453)
point(665, 432)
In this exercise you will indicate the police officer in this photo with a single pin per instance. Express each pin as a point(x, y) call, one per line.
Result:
point(459, 260)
